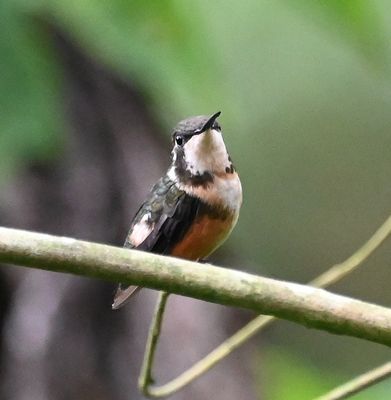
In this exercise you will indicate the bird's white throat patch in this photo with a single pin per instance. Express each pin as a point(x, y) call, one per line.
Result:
point(206, 153)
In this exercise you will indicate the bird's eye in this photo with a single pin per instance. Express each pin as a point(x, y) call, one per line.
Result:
point(179, 140)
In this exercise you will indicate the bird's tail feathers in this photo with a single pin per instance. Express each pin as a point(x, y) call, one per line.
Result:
point(122, 295)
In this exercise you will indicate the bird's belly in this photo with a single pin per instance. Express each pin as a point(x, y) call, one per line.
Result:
point(204, 237)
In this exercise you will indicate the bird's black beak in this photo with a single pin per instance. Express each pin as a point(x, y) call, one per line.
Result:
point(210, 122)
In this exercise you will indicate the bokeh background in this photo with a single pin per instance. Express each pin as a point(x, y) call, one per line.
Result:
point(89, 93)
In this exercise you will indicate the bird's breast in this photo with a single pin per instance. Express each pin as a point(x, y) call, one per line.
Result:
point(225, 191)
point(205, 235)
point(214, 222)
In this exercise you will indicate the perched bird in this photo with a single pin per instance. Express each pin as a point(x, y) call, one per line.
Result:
point(193, 208)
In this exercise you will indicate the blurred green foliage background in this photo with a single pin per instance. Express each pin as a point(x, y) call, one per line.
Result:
point(305, 93)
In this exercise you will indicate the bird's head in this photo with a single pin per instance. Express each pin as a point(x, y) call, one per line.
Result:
point(199, 151)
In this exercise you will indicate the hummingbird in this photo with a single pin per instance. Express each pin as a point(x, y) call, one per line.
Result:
point(193, 208)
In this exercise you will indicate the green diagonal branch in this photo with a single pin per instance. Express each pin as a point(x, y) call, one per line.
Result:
point(314, 308)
